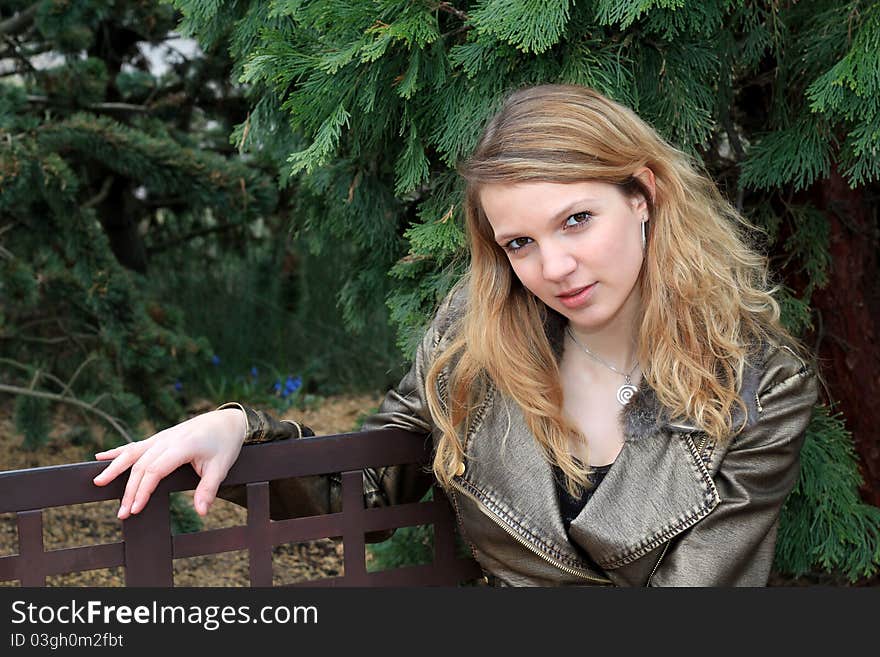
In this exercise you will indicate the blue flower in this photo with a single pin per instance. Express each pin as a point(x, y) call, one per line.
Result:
point(178, 386)
point(215, 360)
point(277, 386)
point(254, 371)
point(292, 384)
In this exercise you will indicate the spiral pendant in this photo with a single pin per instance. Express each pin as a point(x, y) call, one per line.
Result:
point(625, 393)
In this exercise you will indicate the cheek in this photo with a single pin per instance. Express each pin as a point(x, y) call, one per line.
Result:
point(527, 273)
point(619, 250)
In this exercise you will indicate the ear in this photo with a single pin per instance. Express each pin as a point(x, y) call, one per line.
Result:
point(646, 177)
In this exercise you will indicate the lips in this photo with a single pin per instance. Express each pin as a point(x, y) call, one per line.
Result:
point(574, 291)
point(576, 297)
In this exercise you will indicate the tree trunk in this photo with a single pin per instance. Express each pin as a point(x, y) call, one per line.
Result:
point(119, 218)
point(848, 314)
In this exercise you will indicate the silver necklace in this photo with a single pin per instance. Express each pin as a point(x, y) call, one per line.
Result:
point(627, 389)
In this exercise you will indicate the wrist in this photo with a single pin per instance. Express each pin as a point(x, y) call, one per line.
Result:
point(236, 417)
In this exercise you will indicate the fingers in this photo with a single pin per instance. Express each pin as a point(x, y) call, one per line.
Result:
point(123, 457)
point(206, 491)
point(155, 465)
point(109, 454)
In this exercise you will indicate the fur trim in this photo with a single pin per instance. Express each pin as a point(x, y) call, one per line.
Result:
point(643, 415)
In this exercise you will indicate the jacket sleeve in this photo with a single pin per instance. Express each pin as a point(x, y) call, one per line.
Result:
point(734, 545)
point(404, 407)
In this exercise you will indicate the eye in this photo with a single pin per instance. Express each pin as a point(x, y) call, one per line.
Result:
point(578, 219)
point(515, 245)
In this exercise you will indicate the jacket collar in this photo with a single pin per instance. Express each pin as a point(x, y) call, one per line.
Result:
point(657, 487)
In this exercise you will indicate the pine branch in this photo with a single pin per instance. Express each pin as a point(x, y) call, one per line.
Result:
point(65, 387)
point(449, 9)
point(16, 390)
point(20, 21)
point(102, 193)
point(97, 107)
point(15, 52)
point(163, 246)
point(4, 252)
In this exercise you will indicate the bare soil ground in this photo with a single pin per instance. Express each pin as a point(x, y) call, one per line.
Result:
point(96, 523)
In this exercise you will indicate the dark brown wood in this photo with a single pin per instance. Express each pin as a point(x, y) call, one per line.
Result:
point(258, 534)
point(353, 545)
point(147, 537)
point(848, 319)
point(148, 549)
point(30, 541)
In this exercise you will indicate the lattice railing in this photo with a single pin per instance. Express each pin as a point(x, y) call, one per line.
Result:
point(148, 547)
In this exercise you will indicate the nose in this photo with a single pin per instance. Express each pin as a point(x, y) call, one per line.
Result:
point(558, 263)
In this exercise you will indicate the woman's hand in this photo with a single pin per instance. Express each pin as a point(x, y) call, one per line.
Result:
point(210, 442)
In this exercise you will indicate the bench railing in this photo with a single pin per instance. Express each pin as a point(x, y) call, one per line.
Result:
point(148, 547)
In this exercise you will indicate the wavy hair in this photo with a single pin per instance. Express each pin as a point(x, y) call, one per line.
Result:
point(706, 297)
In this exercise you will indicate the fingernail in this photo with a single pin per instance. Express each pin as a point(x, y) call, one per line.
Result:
point(136, 507)
point(122, 511)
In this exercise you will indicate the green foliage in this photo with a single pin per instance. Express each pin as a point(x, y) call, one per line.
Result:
point(89, 188)
point(82, 436)
point(282, 325)
point(809, 245)
point(162, 165)
point(626, 12)
point(796, 314)
point(184, 519)
point(824, 524)
point(847, 93)
point(326, 140)
point(530, 25)
point(408, 546)
point(796, 155)
point(31, 419)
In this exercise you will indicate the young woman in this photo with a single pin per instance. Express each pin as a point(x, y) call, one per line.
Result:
point(611, 395)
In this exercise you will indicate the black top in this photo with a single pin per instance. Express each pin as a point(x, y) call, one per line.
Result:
point(570, 507)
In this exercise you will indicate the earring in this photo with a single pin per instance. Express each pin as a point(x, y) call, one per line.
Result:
point(644, 236)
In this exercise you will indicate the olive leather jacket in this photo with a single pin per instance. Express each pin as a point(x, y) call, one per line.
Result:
point(675, 509)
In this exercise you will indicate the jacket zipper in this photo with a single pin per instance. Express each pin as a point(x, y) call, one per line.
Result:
point(520, 539)
point(700, 447)
point(654, 570)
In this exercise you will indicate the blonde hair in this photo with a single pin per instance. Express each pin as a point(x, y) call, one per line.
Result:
point(706, 300)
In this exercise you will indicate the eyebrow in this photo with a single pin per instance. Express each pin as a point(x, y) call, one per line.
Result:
point(564, 212)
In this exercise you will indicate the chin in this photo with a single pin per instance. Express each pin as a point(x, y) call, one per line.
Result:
point(588, 320)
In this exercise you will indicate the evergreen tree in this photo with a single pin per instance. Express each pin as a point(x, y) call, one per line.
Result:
point(367, 106)
point(104, 164)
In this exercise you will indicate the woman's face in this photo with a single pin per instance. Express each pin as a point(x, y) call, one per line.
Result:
point(575, 246)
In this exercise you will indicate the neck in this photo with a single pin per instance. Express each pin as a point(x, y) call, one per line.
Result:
point(616, 342)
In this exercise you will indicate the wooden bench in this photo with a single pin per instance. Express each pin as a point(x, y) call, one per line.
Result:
point(148, 547)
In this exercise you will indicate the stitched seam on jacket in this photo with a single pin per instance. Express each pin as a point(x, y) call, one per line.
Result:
point(454, 498)
point(804, 371)
point(479, 416)
point(538, 542)
point(691, 517)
